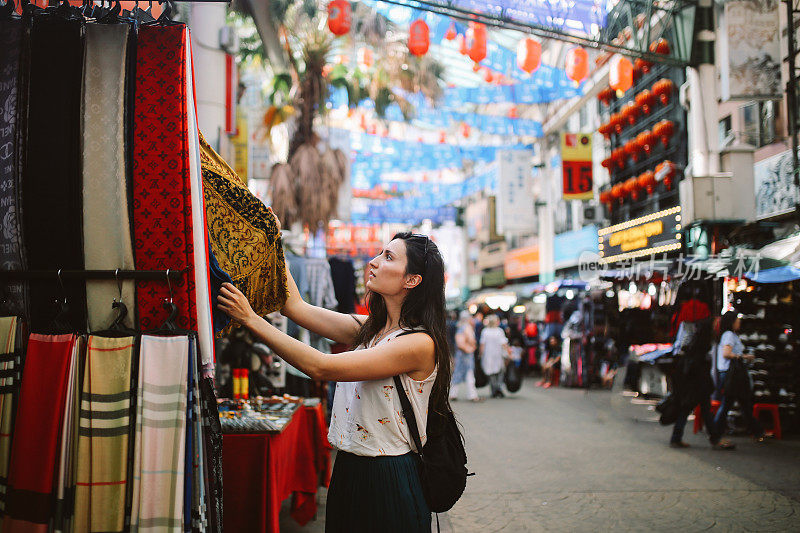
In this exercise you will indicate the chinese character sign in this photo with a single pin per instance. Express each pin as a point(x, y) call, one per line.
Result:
point(515, 203)
point(576, 156)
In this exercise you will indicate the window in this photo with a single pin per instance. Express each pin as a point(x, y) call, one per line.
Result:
point(758, 119)
point(725, 133)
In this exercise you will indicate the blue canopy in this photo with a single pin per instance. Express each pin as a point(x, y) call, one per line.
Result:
point(780, 274)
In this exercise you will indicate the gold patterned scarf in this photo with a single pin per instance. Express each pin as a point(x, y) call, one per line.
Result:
point(244, 235)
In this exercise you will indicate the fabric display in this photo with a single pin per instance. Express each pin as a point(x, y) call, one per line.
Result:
point(343, 274)
point(10, 364)
point(244, 235)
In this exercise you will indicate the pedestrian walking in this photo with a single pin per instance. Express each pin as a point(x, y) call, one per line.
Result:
point(375, 485)
point(494, 352)
point(464, 361)
point(733, 383)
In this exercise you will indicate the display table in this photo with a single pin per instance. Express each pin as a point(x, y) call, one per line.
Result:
point(262, 470)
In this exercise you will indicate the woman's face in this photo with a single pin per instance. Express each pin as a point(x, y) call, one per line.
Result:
point(737, 324)
point(386, 273)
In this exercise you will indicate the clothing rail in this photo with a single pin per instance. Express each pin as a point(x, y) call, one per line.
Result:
point(152, 275)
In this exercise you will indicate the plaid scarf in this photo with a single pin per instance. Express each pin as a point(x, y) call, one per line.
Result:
point(159, 455)
point(103, 436)
point(36, 447)
point(10, 355)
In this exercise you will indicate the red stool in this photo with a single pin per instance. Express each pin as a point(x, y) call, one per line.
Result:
point(698, 416)
point(772, 409)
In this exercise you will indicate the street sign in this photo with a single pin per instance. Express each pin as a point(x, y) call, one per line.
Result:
point(576, 157)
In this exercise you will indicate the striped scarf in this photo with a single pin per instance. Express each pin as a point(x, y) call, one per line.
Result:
point(159, 455)
point(65, 480)
point(9, 383)
point(104, 435)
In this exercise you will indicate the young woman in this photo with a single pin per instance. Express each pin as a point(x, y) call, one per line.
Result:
point(375, 485)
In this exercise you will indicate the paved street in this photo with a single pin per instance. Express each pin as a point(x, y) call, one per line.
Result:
point(565, 460)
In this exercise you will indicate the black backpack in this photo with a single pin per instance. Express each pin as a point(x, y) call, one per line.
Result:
point(443, 460)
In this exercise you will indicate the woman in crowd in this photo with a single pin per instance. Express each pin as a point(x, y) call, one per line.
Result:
point(494, 353)
point(375, 484)
point(730, 351)
point(552, 365)
point(464, 361)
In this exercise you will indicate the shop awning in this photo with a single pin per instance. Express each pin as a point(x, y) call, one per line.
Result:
point(781, 274)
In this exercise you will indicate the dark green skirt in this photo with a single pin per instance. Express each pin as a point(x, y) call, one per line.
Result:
point(371, 494)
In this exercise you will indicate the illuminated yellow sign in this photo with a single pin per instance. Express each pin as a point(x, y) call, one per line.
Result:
point(651, 234)
point(635, 238)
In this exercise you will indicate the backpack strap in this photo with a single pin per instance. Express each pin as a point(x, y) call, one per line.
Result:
point(408, 414)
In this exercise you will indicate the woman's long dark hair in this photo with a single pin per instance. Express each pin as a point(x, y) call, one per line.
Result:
point(424, 307)
point(727, 321)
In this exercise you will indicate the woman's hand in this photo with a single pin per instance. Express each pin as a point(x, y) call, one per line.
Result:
point(277, 220)
point(234, 304)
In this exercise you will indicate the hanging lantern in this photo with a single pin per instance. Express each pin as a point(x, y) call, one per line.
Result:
point(373, 129)
point(647, 181)
point(632, 150)
point(363, 123)
point(529, 55)
point(631, 187)
point(630, 111)
point(608, 164)
point(606, 95)
point(645, 100)
point(617, 121)
point(488, 76)
point(451, 33)
point(419, 38)
point(512, 113)
point(476, 41)
point(339, 16)
point(618, 192)
point(605, 130)
point(442, 137)
point(642, 66)
point(663, 89)
point(476, 67)
point(660, 46)
point(461, 43)
point(647, 141)
point(618, 155)
point(620, 75)
point(665, 130)
point(607, 199)
point(577, 64)
point(365, 57)
point(465, 130)
point(665, 172)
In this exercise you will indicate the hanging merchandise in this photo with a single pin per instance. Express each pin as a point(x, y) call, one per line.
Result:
point(106, 232)
point(529, 55)
point(51, 171)
point(339, 16)
point(620, 74)
point(418, 38)
point(244, 235)
point(475, 41)
point(11, 339)
point(577, 64)
point(11, 250)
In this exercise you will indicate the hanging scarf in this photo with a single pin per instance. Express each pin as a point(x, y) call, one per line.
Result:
point(51, 182)
point(65, 485)
point(212, 445)
point(10, 241)
point(36, 446)
point(158, 463)
point(199, 468)
point(205, 328)
point(9, 382)
point(106, 231)
point(244, 235)
point(162, 208)
point(104, 435)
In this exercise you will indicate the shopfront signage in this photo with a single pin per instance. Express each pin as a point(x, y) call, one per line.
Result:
point(522, 262)
point(515, 202)
point(493, 278)
point(568, 247)
point(651, 234)
point(576, 161)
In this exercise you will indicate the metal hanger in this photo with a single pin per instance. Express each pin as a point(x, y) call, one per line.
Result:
point(7, 10)
point(60, 323)
point(117, 327)
point(169, 327)
point(165, 19)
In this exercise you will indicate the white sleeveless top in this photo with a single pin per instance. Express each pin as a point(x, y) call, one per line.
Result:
point(367, 416)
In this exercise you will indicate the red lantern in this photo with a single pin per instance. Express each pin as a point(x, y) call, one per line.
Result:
point(660, 46)
point(642, 66)
point(646, 141)
point(666, 172)
point(663, 90)
point(606, 95)
point(608, 164)
point(617, 121)
point(418, 38)
point(631, 188)
point(605, 130)
point(618, 192)
point(461, 42)
point(451, 32)
point(647, 181)
point(363, 123)
point(665, 130)
point(488, 76)
point(630, 111)
point(577, 64)
point(632, 149)
point(476, 67)
point(442, 137)
point(365, 57)
point(607, 198)
point(339, 16)
point(645, 100)
point(476, 41)
point(465, 130)
point(512, 113)
point(620, 75)
point(618, 155)
point(529, 55)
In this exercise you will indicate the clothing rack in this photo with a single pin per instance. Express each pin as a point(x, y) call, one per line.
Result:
point(150, 275)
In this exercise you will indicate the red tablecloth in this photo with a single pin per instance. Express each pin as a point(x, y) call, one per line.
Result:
point(260, 471)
